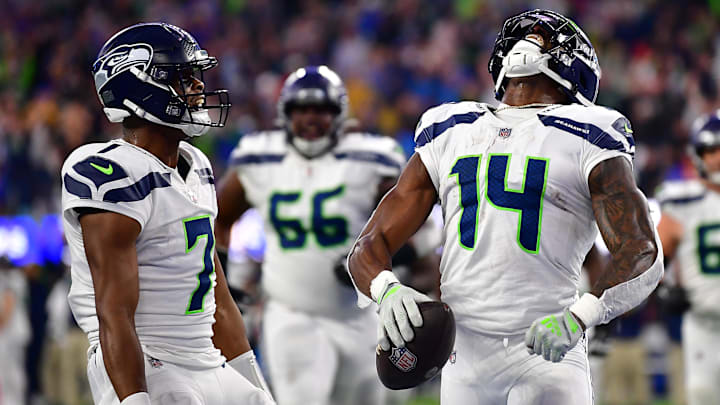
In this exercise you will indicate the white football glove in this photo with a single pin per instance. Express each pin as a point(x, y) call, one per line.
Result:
point(553, 336)
point(398, 313)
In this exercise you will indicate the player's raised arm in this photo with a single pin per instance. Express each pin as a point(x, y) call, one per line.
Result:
point(109, 240)
point(401, 212)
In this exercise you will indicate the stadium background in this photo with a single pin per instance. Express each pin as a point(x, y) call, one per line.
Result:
point(659, 60)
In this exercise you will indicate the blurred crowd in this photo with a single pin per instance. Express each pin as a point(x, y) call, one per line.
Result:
point(659, 59)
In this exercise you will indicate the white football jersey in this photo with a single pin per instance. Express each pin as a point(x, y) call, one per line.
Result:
point(516, 204)
point(175, 249)
point(313, 210)
point(698, 253)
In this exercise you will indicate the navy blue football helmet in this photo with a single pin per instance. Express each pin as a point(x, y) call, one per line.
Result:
point(543, 41)
point(705, 135)
point(313, 85)
point(140, 69)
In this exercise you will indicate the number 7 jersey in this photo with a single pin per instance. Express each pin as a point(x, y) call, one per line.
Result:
point(518, 219)
point(175, 248)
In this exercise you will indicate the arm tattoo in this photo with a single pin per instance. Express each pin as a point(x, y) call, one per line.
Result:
point(623, 218)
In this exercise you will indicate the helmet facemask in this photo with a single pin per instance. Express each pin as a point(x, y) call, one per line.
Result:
point(194, 118)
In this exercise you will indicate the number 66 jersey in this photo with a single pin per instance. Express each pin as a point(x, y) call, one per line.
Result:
point(516, 204)
point(175, 248)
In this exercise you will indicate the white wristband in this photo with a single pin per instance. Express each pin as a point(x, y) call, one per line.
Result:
point(589, 310)
point(247, 366)
point(379, 284)
point(138, 398)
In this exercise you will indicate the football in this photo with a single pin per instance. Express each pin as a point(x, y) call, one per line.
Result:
point(423, 357)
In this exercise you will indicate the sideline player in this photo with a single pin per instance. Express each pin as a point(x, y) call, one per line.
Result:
point(522, 186)
point(138, 214)
point(690, 234)
point(315, 187)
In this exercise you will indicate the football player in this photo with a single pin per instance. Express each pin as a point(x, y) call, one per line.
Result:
point(690, 234)
point(315, 185)
point(522, 186)
point(138, 214)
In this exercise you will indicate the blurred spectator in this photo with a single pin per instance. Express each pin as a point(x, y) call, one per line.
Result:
point(64, 369)
point(14, 334)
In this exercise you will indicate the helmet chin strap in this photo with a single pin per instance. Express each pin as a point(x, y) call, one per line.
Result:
point(527, 59)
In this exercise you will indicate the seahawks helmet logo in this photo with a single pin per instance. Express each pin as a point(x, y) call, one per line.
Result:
point(121, 59)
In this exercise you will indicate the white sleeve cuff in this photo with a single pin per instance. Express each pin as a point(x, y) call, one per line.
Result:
point(247, 366)
point(589, 310)
point(379, 284)
point(138, 398)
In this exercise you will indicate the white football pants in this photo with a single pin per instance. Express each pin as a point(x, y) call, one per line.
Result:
point(485, 370)
point(172, 384)
point(316, 360)
point(702, 359)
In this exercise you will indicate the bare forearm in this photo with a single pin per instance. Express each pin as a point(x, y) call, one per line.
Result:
point(369, 257)
point(229, 328)
point(122, 354)
point(229, 335)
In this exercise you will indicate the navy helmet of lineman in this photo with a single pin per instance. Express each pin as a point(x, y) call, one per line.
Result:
point(543, 41)
point(317, 86)
point(142, 70)
point(705, 137)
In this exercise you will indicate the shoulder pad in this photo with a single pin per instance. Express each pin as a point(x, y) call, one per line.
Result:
point(90, 167)
point(601, 126)
point(260, 147)
point(383, 150)
point(680, 192)
point(435, 121)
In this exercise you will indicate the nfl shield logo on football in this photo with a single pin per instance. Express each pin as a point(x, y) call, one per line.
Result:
point(504, 132)
point(453, 357)
point(403, 359)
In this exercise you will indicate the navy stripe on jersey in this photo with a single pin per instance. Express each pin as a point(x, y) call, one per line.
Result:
point(438, 128)
point(681, 201)
point(99, 170)
point(258, 158)
point(370, 157)
point(139, 190)
point(109, 148)
point(206, 176)
point(589, 132)
point(76, 188)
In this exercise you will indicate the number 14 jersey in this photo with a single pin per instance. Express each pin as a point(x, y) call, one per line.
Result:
point(516, 204)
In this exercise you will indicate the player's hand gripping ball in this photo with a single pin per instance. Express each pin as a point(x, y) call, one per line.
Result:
point(425, 355)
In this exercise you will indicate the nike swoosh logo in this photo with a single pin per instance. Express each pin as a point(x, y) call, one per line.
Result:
point(105, 170)
point(627, 129)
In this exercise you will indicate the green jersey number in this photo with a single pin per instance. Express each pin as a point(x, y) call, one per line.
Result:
point(328, 230)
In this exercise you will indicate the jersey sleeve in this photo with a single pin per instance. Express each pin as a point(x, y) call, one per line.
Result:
point(424, 145)
point(436, 122)
point(610, 136)
point(94, 181)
